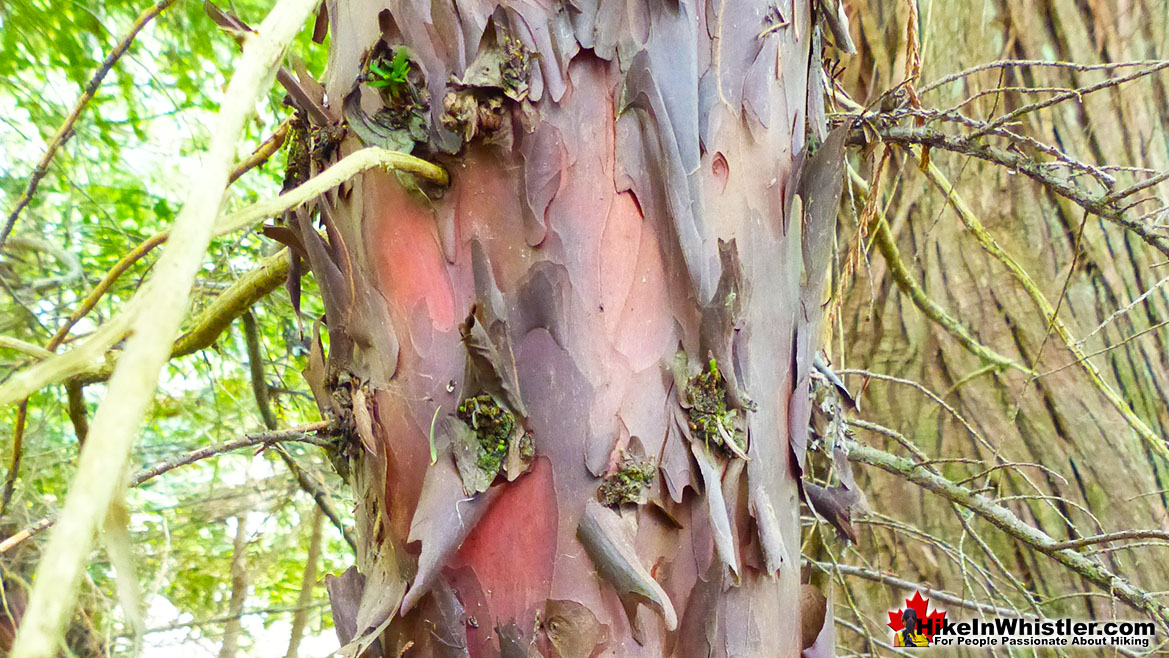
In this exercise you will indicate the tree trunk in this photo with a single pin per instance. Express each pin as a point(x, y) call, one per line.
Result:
point(575, 379)
point(239, 589)
point(305, 600)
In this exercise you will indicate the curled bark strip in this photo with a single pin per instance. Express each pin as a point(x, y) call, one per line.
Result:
point(724, 538)
point(835, 505)
point(775, 553)
point(608, 544)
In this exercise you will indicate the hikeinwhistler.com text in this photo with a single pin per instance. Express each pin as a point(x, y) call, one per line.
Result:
point(1017, 632)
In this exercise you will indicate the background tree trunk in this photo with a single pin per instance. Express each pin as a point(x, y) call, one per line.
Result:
point(1106, 479)
point(304, 602)
point(239, 589)
point(591, 187)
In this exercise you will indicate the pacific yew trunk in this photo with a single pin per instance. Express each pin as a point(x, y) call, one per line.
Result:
point(576, 378)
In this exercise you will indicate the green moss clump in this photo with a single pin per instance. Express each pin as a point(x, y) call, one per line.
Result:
point(493, 426)
point(626, 485)
point(297, 168)
point(709, 418)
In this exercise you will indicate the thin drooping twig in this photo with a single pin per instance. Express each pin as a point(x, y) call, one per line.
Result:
point(1023, 63)
point(314, 433)
point(1068, 95)
point(66, 129)
point(1063, 292)
point(1028, 167)
point(1005, 520)
point(1113, 536)
point(135, 380)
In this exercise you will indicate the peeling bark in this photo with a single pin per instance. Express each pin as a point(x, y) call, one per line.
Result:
point(599, 155)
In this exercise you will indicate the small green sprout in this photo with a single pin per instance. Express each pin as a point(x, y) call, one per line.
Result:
point(393, 75)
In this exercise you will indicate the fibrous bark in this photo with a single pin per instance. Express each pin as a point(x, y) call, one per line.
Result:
point(1089, 472)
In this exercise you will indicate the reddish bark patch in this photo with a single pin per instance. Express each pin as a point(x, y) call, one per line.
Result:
point(410, 263)
point(515, 574)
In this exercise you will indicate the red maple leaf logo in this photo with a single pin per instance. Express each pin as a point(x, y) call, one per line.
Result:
point(919, 605)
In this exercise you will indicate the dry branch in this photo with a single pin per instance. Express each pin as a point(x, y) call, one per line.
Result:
point(313, 433)
point(134, 381)
point(1005, 520)
point(66, 129)
point(1097, 205)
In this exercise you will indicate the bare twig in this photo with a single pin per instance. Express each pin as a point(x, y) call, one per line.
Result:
point(314, 433)
point(1070, 94)
point(1026, 166)
point(889, 579)
point(1136, 187)
point(1023, 63)
point(134, 381)
point(1113, 536)
point(228, 618)
point(1076, 361)
point(1005, 520)
point(1119, 312)
point(66, 129)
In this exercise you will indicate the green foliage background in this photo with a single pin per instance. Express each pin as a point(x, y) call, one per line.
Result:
point(122, 177)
